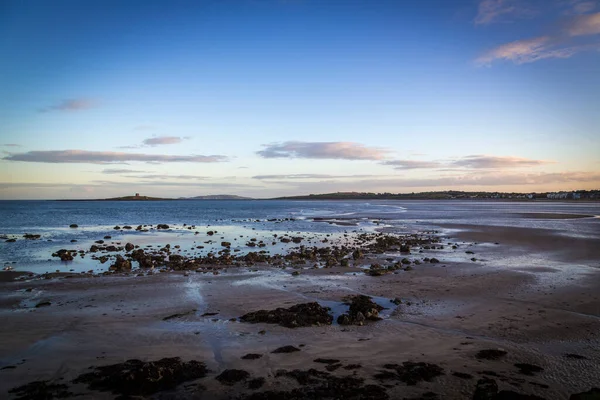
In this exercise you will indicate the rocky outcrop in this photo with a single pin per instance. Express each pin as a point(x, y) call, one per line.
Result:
point(307, 314)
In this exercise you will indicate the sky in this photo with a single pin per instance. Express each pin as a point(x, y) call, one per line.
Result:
point(266, 98)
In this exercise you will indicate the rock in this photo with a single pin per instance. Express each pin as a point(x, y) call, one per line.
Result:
point(117, 228)
point(411, 373)
point(356, 254)
point(362, 308)
point(574, 356)
point(295, 273)
point(73, 226)
point(326, 361)
point(256, 383)
point(127, 227)
point(510, 395)
point(41, 390)
point(179, 315)
point(528, 369)
point(121, 264)
point(251, 356)
point(129, 247)
point(162, 226)
point(285, 349)
point(230, 377)
point(226, 244)
point(31, 236)
point(462, 375)
point(139, 378)
point(490, 354)
point(63, 254)
point(592, 394)
point(434, 261)
point(94, 248)
point(11, 240)
point(300, 315)
point(486, 389)
point(43, 304)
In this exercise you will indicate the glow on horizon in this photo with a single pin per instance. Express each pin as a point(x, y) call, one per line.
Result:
point(271, 98)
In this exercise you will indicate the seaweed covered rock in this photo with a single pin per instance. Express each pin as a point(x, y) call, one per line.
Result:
point(139, 378)
point(362, 308)
point(300, 315)
point(121, 265)
point(411, 372)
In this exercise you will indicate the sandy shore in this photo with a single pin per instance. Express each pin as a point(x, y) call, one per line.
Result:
point(541, 314)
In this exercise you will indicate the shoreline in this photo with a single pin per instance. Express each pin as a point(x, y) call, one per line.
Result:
point(448, 312)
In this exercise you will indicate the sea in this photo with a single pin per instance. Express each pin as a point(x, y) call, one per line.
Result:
point(190, 220)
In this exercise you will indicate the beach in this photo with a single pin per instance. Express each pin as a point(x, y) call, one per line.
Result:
point(469, 310)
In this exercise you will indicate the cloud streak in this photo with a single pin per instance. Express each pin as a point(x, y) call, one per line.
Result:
point(323, 150)
point(107, 157)
point(490, 11)
point(309, 176)
point(485, 162)
point(156, 141)
point(70, 105)
point(412, 164)
point(576, 35)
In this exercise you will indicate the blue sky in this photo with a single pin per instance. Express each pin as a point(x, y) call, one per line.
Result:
point(279, 97)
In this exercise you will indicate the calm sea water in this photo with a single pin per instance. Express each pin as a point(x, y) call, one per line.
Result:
point(51, 219)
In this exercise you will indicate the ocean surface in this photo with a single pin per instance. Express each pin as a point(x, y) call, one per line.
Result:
point(260, 218)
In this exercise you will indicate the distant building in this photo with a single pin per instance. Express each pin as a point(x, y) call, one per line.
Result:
point(137, 195)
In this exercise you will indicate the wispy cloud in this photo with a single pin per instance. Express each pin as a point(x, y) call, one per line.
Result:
point(70, 105)
point(116, 171)
point(160, 140)
point(106, 157)
point(309, 176)
point(167, 177)
point(583, 25)
point(484, 162)
point(411, 164)
point(467, 162)
point(576, 34)
point(494, 11)
point(323, 150)
point(11, 145)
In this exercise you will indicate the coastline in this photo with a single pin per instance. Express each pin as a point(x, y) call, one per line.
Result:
point(448, 312)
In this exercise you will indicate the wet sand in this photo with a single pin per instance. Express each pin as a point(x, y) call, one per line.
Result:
point(540, 314)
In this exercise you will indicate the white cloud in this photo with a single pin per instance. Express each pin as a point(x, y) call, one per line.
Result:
point(323, 150)
point(106, 157)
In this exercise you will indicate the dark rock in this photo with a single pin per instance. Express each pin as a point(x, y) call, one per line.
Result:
point(226, 244)
point(256, 383)
point(592, 394)
point(120, 265)
point(230, 377)
point(31, 236)
point(350, 367)
point(411, 373)
point(528, 369)
point(300, 315)
point(41, 390)
point(127, 227)
point(574, 356)
point(490, 354)
point(251, 356)
point(486, 389)
point(11, 240)
point(73, 226)
point(510, 395)
point(179, 315)
point(43, 304)
point(139, 378)
point(285, 349)
point(326, 360)
point(434, 261)
point(129, 247)
point(332, 367)
point(63, 254)
point(361, 308)
point(462, 375)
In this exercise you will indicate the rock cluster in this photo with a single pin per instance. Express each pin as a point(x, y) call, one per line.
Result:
point(307, 314)
point(362, 309)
